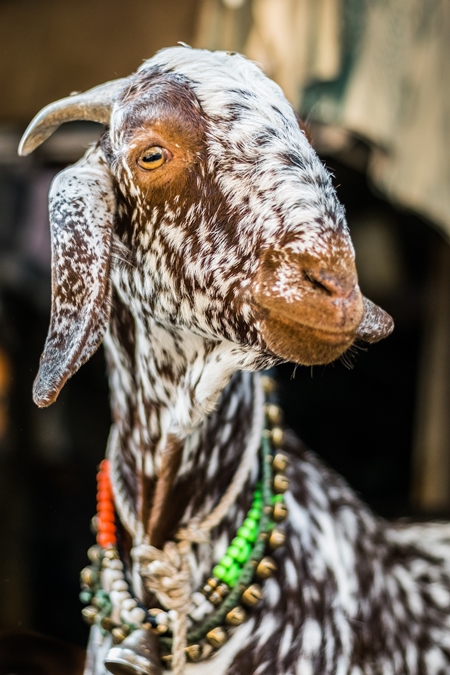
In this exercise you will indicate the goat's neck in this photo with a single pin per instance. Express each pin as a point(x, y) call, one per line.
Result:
point(182, 419)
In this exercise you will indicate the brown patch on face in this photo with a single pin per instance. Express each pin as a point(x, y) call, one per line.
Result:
point(309, 309)
point(167, 115)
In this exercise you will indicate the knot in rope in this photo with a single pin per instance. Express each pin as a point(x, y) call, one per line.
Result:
point(165, 573)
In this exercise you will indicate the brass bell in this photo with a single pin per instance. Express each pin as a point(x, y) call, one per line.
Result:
point(280, 512)
point(276, 539)
point(266, 568)
point(138, 654)
point(280, 462)
point(216, 637)
point(252, 595)
point(236, 616)
point(280, 483)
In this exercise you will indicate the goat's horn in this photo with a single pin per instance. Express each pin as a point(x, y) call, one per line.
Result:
point(93, 105)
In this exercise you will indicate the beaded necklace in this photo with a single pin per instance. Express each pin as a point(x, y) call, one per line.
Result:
point(222, 603)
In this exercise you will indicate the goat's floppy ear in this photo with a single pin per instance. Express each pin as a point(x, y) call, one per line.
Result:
point(82, 209)
point(93, 105)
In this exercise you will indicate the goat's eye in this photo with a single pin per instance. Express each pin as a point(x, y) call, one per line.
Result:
point(152, 158)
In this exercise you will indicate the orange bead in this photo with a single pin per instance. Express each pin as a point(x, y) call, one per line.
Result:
point(105, 505)
point(105, 538)
point(104, 526)
point(106, 516)
point(104, 495)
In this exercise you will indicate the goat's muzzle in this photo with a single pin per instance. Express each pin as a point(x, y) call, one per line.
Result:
point(311, 311)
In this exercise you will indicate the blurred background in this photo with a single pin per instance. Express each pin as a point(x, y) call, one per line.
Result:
point(371, 80)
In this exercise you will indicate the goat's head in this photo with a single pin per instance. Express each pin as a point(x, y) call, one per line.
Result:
point(209, 187)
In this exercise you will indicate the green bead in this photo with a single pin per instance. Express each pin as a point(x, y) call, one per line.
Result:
point(226, 561)
point(244, 532)
point(255, 514)
point(233, 574)
point(85, 597)
point(249, 530)
point(257, 503)
point(240, 542)
point(250, 522)
point(220, 572)
point(233, 550)
point(244, 554)
point(277, 498)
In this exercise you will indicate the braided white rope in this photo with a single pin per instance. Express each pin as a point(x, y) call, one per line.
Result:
point(166, 573)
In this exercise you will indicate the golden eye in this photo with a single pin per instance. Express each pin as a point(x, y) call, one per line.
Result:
point(152, 158)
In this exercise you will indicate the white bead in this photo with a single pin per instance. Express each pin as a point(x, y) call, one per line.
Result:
point(173, 615)
point(119, 585)
point(198, 598)
point(109, 576)
point(162, 618)
point(115, 565)
point(117, 597)
point(129, 604)
point(199, 613)
point(138, 615)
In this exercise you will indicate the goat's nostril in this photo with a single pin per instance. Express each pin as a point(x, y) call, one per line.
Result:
point(334, 286)
point(316, 283)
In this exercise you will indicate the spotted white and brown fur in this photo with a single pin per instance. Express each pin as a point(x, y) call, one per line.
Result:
point(230, 257)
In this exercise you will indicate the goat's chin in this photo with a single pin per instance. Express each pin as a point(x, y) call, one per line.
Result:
point(305, 345)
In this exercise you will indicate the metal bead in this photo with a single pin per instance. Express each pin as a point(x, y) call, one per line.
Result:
point(280, 512)
point(219, 594)
point(89, 614)
point(252, 595)
point(107, 623)
point(268, 383)
point(118, 635)
point(94, 524)
point(277, 435)
point(280, 462)
point(215, 598)
point(276, 539)
point(94, 553)
point(111, 554)
point(266, 568)
point(210, 586)
point(194, 652)
point(88, 576)
point(236, 616)
point(274, 413)
point(280, 483)
point(216, 637)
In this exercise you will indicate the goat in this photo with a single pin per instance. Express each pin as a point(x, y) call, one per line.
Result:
point(201, 239)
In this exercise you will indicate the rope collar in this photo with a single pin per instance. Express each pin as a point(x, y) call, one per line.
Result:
point(189, 624)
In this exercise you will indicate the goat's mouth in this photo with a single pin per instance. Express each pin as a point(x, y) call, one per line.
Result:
point(304, 344)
